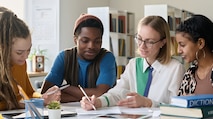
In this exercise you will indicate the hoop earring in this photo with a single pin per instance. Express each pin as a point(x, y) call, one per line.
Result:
point(204, 54)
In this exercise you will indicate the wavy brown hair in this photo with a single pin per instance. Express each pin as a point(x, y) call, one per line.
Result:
point(10, 27)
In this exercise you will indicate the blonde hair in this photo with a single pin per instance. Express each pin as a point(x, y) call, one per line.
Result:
point(161, 26)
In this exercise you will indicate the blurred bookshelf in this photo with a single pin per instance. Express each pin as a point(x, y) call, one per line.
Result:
point(118, 33)
point(173, 16)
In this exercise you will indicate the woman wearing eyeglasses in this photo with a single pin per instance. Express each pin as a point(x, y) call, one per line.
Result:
point(150, 79)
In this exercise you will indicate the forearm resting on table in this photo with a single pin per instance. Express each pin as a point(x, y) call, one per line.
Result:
point(46, 86)
point(76, 92)
point(71, 94)
point(65, 97)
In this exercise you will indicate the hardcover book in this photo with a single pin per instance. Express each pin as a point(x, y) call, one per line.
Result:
point(174, 117)
point(193, 101)
point(184, 112)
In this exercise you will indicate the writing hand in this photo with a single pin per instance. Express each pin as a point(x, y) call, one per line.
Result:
point(86, 104)
point(53, 96)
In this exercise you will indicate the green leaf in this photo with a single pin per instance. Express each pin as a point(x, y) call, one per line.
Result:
point(54, 105)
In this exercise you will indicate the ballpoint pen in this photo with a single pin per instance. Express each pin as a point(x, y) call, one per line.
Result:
point(61, 88)
point(86, 96)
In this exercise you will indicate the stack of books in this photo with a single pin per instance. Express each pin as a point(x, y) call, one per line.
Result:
point(185, 107)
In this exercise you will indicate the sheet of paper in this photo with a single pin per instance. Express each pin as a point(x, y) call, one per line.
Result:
point(142, 110)
point(117, 110)
point(63, 113)
point(105, 110)
point(17, 111)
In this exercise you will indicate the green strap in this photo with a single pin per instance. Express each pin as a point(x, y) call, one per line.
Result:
point(141, 77)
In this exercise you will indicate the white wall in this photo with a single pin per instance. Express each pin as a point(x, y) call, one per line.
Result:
point(71, 9)
point(15, 5)
point(137, 6)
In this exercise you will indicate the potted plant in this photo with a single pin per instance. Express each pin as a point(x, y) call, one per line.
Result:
point(54, 110)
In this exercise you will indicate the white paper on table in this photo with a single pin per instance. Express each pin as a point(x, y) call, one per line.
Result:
point(17, 111)
point(141, 110)
point(63, 113)
point(104, 110)
point(117, 110)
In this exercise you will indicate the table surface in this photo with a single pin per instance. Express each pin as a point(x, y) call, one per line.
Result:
point(73, 106)
point(76, 105)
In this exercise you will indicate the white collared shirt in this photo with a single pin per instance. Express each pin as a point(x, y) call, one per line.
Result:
point(165, 82)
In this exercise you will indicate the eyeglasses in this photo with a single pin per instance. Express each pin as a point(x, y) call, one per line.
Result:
point(147, 43)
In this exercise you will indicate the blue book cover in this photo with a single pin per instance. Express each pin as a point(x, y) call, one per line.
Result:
point(193, 100)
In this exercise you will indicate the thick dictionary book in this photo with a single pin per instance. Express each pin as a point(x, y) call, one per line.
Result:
point(173, 111)
point(193, 100)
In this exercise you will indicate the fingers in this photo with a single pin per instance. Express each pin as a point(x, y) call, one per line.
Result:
point(93, 98)
point(130, 102)
point(85, 104)
point(52, 94)
point(123, 102)
point(53, 88)
point(132, 94)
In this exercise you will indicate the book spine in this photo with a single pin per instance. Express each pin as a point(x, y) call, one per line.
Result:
point(200, 102)
point(207, 111)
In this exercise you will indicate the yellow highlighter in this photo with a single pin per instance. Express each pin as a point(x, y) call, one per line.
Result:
point(23, 94)
point(1, 117)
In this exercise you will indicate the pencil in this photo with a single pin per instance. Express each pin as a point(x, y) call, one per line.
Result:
point(86, 96)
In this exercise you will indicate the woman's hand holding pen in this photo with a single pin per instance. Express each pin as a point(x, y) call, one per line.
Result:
point(87, 105)
point(48, 97)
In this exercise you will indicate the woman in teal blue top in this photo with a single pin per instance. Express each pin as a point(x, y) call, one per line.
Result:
point(87, 64)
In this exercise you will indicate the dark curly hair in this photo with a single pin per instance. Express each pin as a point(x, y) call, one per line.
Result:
point(198, 26)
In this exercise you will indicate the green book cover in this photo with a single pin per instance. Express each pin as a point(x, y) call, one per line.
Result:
point(196, 112)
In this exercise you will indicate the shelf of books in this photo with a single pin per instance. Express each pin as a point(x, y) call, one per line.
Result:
point(118, 33)
point(173, 16)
